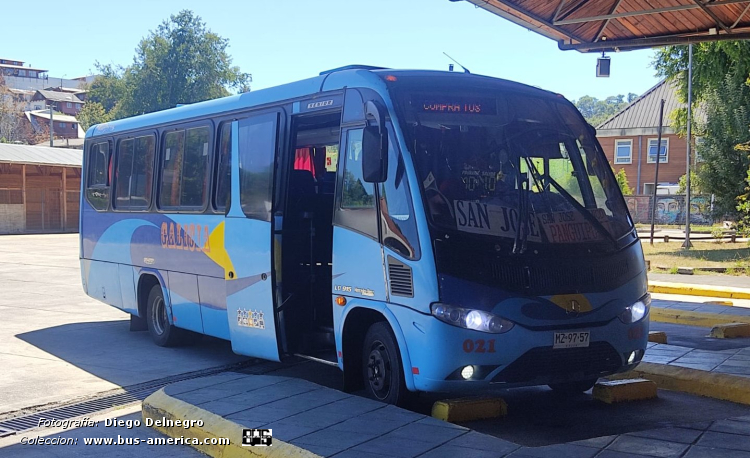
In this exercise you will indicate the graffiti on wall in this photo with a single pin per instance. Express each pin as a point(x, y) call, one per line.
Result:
point(669, 209)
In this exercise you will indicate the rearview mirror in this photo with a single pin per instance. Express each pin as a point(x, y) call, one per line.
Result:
point(374, 145)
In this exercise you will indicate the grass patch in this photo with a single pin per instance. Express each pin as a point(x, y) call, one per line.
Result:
point(669, 256)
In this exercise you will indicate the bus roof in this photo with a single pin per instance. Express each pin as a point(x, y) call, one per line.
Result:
point(350, 76)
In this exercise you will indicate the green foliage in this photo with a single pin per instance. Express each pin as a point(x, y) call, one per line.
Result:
point(108, 89)
point(718, 234)
point(180, 62)
point(725, 167)
point(695, 184)
point(622, 182)
point(597, 111)
point(93, 113)
point(712, 61)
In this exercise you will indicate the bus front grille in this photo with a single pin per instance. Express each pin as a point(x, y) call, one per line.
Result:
point(597, 359)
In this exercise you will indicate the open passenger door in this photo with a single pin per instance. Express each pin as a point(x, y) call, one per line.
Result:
point(248, 236)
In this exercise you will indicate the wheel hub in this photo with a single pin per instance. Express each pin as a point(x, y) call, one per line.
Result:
point(159, 316)
point(378, 370)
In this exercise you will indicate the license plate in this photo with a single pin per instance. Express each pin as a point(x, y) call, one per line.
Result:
point(571, 339)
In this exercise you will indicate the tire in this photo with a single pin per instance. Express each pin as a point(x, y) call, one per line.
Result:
point(571, 388)
point(163, 333)
point(381, 366)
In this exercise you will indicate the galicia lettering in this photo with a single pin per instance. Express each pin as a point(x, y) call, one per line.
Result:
point(191, 237)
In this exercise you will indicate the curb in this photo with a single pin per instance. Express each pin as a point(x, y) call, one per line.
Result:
point(698, 290)
point(726, 387)
point(160, 406)
point(708, 320)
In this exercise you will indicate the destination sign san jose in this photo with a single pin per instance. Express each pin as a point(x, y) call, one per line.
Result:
point(558, 227)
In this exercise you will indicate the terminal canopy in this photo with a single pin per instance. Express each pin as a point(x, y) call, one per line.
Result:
point(611, 25)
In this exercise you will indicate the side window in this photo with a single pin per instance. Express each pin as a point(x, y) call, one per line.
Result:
point(396, 211)
point(184, 172)
point(123, 173)
point(135, 168)
point(356, 193)
point(357, 208)
point(97, 188)
point(224, 167)
point(195, 168)
point(171, 169)
point(257, 152)
point(98, 165)
point(143, 170)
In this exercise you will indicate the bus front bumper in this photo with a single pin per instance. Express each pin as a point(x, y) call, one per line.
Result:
point(441, 354)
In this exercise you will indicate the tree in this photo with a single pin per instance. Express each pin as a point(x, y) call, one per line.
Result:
point(695, 184)
point(622, 182)
point(108, 88)
point(712, 61)
point(180, 62)
point(13, 126)
point(725, 167)
point(597, 111)
point(93, 113)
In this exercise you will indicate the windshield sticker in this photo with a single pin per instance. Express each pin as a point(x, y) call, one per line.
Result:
point(480, 218)
point(428, 181)
point(571, 227)
point(557, 227)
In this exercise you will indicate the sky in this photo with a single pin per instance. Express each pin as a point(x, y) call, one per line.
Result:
point(279, 41)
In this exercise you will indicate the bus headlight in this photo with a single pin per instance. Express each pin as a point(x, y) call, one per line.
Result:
point(637, 311)
point(477, 320)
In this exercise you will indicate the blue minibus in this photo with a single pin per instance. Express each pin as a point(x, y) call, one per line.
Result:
point(420, 230)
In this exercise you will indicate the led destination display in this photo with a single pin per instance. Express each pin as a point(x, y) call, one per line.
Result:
point(457, 105)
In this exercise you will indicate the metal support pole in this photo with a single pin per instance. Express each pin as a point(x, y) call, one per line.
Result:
point(656, 175)
point(687, 244)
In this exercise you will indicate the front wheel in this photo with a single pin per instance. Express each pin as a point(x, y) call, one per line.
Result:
point(571, 388)
point(381, 365)
point(163, 333)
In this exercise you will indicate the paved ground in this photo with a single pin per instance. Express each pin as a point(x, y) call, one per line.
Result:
point(331, 423)
point(59, 344)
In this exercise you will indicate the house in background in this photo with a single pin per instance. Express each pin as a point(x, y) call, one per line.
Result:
point(630, 137)
point(65, 102)
point(66, 128)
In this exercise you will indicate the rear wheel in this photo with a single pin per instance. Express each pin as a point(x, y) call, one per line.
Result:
point(381, 365)
point(570, 388)
point(160, 327)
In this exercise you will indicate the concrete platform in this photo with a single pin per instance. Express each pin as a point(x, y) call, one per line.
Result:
point(309, 420)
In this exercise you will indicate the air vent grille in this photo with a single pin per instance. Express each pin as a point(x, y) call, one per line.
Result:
point(401, 282)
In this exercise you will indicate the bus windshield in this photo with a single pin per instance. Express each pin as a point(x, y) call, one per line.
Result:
point(514, 166)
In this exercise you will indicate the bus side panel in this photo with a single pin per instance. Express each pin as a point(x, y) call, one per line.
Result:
point(357, 265)
point(183, 296)
point(127, 288)
point(104, 283)
point(213, 302)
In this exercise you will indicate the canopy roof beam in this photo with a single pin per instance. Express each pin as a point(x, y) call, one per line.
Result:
point(665, 9)
point(713, 16)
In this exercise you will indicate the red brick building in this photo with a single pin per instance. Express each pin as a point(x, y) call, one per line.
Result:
point(630, 137)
